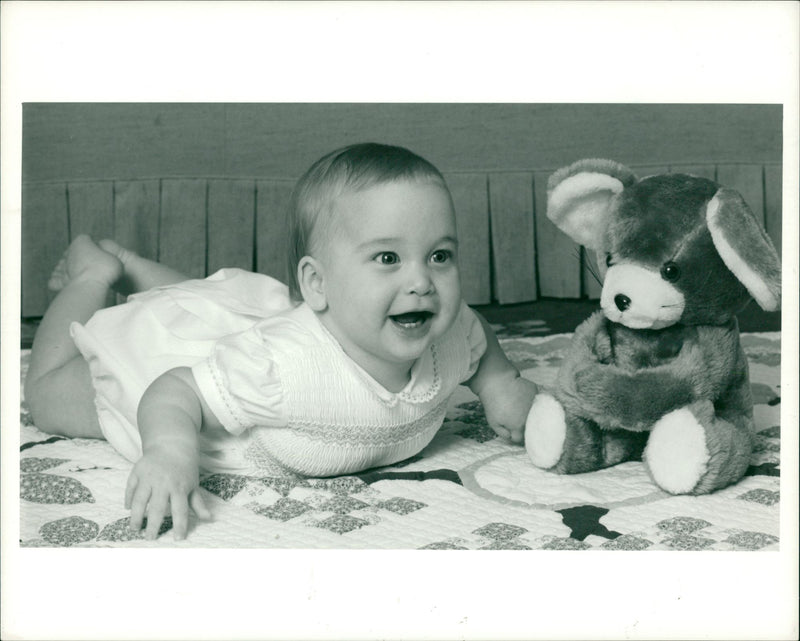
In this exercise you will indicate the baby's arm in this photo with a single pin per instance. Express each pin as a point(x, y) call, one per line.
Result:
point(167, 477)
point(506, 396)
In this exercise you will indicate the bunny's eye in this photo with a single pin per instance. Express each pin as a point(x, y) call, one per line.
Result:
point(609, 262)
point(670, 272)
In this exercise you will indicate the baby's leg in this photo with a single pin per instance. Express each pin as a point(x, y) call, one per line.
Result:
point(61, 401)
point(58, 387)
point(139, 273)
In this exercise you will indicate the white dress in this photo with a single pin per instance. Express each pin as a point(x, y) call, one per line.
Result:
point(289, 399)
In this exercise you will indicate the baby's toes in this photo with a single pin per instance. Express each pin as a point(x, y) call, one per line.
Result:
point(87, 260)
point(115, 249)
point(59, 276)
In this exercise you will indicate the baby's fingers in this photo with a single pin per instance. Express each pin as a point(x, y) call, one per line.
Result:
point(138, 505)
point(180, 515)
point(130, 488)
point(501, 431)
point(198, 504)
point(156, 512)
point(180, 512)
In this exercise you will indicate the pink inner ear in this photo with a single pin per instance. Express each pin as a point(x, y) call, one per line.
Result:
point(579, 206)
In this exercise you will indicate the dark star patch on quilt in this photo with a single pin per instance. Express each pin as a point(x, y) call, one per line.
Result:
point(585, 520)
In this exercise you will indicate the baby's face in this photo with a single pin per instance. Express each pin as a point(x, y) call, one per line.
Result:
point(391, 275)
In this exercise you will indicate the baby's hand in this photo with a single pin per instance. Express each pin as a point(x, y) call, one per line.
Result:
point(507, 402)
point(164, 481)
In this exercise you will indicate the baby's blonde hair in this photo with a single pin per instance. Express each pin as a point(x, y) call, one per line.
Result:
point(353, 168)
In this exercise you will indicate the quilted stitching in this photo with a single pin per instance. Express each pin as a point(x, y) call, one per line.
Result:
point(467, 490)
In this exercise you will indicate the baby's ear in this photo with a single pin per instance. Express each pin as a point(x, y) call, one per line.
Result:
point(745, 247)
point(580, 196)
point(310, 279)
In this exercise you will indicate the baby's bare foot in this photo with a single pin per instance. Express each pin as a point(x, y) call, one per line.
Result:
point(59, 276)
point(115, 249)
point(85, 260)
point(128, 282)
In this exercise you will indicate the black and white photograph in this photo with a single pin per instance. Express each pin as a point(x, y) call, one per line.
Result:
point(179, 196)
point(395, 340)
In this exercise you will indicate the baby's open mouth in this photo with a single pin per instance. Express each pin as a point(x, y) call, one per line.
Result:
point(412, 319)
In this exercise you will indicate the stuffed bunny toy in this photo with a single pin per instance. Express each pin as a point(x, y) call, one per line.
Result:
point(659, 373)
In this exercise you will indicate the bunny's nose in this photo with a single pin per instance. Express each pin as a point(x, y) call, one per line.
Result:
point(622, 302)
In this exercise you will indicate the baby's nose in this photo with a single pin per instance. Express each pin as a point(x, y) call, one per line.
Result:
point(420, 282)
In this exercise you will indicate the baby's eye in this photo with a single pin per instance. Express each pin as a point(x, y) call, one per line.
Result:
point(441, 256)
point(387, 258)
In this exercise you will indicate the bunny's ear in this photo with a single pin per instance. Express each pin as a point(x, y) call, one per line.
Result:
point(744, 247)
point(579, 198)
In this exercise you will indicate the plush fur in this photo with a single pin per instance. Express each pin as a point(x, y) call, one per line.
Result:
point(659, 373)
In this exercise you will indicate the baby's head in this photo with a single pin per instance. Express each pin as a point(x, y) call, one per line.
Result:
point(352, 168)
point(373, 251)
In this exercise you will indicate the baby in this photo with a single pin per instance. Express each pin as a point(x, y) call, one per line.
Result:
point(348, 368)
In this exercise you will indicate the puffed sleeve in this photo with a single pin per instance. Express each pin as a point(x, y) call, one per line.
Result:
point(476, 339)
point(240, 382)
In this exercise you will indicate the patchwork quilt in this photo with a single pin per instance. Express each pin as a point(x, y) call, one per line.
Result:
point(467, 490)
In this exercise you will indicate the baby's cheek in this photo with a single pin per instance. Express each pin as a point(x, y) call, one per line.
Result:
point(452, 291)
point(451, 315)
